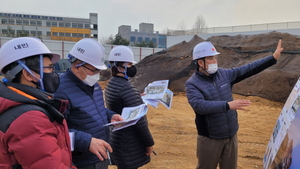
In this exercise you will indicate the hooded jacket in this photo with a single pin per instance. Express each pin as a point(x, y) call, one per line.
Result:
point(209, 96)
point(129, 144)
point(86, 115)
point(33, 131)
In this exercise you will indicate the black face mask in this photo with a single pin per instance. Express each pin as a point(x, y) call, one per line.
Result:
point(131, 71)
point(51, 82)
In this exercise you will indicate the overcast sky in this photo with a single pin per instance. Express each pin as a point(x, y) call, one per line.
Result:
point(162, 13)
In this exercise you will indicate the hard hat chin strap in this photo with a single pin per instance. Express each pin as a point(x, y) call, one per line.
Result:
point(201, 68)
point(71, 58)
point(125, 67)
point(40, 81)
point(41, 73)
point(10, 75)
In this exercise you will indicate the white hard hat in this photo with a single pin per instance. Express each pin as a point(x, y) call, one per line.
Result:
point(121, 54)
point(23, 47)
point(89, 51)
point(204, 49)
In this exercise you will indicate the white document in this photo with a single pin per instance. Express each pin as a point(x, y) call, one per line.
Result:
point(131, 116)
point(72, 135)
point(158, 92)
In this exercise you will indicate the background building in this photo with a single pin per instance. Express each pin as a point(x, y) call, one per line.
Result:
point(145, 33)
point(49, 27)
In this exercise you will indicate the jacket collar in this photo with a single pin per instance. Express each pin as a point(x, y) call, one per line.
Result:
point(211, 76)
point(16, 94)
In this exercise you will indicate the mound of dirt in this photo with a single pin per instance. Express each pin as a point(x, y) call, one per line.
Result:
point(275, 83)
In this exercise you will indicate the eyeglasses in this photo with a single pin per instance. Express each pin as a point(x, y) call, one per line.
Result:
point(94, 71)
point(37, 69)
point(49, 67)
point(212, 57)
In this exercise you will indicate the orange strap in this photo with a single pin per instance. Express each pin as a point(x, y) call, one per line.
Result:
point(21, 93)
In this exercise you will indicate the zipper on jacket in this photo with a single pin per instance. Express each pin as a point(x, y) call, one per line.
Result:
point(226, 115)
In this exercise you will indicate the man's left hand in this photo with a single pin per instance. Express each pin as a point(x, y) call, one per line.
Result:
point(278, 51)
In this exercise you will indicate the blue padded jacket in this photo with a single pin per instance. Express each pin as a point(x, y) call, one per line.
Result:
point(208, 96)
point(86, 115)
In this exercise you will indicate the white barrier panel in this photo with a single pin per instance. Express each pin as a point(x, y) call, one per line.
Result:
point(63, 48)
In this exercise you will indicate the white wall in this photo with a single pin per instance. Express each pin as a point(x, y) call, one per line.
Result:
point(63, 48)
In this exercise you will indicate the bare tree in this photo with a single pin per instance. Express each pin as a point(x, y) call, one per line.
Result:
point(200, 25)
point(166, 31)
point(181, 25)
point(107, 40)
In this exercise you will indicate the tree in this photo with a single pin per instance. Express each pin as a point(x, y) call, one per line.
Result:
point(10, 32)
point(165, 31)
point(199, 25)
point(107, 40)
point(181, 25)
point(120, 41)
point(22, 33)
point(151, 44)
point(143, 43)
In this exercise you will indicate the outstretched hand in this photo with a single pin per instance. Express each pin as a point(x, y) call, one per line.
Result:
point(278, 50)
point(239, 104)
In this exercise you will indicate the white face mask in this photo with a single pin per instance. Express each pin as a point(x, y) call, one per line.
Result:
point(212, 68)
point(91, 80)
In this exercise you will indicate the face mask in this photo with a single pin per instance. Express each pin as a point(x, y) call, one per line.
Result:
point(212, 68)
point(131, 71)
point(51, 82)
point(91, 80)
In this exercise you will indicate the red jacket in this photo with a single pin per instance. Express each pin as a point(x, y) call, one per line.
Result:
point(35, 139)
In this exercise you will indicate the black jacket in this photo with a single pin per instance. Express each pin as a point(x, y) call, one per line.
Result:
point(129, 144)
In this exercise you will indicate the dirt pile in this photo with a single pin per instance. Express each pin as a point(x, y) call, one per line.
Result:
point(275, 83)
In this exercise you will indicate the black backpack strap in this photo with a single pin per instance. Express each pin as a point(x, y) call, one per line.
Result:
point(13, 113)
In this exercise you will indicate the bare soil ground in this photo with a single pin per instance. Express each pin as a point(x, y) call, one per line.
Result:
point(175, 133)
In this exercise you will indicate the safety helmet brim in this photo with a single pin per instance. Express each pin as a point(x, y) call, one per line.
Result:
point(103, 67)
point(211, 54)
point(204, 49)
point(55, 57)
point(122, 60)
